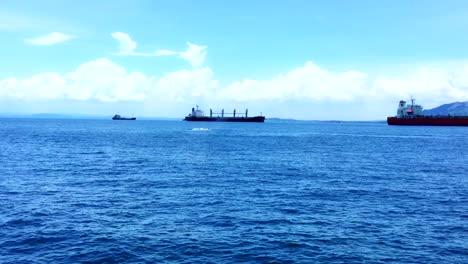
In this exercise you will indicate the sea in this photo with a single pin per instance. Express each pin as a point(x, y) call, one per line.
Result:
point(154, 191)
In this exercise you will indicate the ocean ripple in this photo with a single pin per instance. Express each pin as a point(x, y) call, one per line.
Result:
point(97, 191)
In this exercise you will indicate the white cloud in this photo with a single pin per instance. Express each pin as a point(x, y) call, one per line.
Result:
point(186, 84)
point(106, 81)
point(435, 84)
point(307, 82)
point(127, 45)
point(194, 54)
point(50, 39)
point(100, 80)
point(165, 52)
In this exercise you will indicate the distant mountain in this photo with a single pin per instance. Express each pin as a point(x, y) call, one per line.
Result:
point(454, 109)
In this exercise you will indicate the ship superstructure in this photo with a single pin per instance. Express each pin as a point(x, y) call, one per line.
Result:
point(405, 110)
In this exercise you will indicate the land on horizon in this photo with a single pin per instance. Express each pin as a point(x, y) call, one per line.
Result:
point(455, 108)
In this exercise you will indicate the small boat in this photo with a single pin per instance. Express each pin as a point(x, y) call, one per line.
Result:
point(119, 117)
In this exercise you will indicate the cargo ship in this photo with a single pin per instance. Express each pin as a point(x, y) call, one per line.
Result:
point(199, 115)
point(119, 117)
point(412, 115)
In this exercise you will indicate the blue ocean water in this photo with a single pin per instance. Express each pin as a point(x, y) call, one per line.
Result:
point(102, 191)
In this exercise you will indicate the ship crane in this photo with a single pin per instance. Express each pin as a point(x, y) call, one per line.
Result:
point(234, 113)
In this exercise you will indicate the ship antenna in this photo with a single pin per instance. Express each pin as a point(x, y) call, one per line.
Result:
point(412, 102)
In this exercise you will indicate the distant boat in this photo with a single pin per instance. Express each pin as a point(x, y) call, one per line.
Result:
point(198, 115)
point(119, 117)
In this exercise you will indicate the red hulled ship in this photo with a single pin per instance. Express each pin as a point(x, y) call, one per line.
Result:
point(412, 115)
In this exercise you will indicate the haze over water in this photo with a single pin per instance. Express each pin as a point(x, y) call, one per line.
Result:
point(102, 191)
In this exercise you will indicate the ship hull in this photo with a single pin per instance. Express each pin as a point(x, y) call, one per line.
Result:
point(428, 121)
point(124, 118)
point(255, 119)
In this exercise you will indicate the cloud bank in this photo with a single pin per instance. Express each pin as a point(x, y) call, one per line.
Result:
point(100, 80)
point(106, 81)
point(49, 39)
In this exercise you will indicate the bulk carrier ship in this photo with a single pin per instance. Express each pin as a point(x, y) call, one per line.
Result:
point(119, 117)
point(198, 115)
point(411, 115)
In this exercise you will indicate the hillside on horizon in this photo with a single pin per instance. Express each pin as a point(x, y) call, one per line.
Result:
point(454, 109)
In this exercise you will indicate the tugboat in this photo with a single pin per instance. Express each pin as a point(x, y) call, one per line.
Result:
point(119, 117)
point(411, 115)
point(198, 115)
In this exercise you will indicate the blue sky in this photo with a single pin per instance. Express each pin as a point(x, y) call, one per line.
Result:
point(350, 60)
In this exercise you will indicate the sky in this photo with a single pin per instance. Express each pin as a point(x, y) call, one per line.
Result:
point(311, 60)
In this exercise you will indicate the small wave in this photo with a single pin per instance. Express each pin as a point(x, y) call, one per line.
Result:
point(200, 129)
